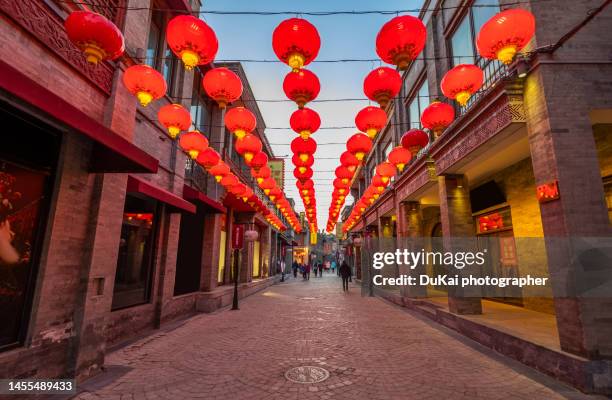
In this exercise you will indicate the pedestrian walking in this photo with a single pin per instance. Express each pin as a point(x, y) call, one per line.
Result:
point(307, 271)
point(294, 267)
point(345, 272)
point(321, 268)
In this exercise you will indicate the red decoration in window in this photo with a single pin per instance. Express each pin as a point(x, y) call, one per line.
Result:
point(192, 40)
point(175, 118)
point(371, 120)
point(490, 222)
point(193, 143)
point(240, 121)
point(296, 42)
point(359, 145)
point(305, 122)
point(145, 83)
point(301, 86)
point(507, 33)
point(401, 40)
point(382, 85)
point(461, 82)
point(222, 85)
point(95, 36)
point(437, 117)
point(400, 156)
point(414, 140)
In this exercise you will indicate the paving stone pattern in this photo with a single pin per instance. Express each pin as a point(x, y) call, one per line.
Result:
point(372, 350)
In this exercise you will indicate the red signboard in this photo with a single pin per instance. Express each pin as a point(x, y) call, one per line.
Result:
point(237, 236)
point(548, 191)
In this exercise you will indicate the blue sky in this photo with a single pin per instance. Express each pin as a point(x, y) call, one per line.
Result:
point(342, 37)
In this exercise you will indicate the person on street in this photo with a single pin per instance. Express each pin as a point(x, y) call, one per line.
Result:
point(321, 268)
point(294, 266)
point(307, 271)
point(345, 273)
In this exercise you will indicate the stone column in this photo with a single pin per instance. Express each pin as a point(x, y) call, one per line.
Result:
point(563, 149)
point(210, 252)
point(413, 241)
point(457, 221)
point(168, 247)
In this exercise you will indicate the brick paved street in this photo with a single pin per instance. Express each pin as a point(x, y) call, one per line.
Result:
point(373, 350)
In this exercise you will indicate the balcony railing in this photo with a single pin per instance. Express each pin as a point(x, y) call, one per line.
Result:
point(196, 176)
point(494, 71)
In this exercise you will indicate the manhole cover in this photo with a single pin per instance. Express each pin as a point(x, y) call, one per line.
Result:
point(307, 374)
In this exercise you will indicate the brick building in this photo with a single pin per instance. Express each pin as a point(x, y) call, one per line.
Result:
point(545, 119)
point(108, 230)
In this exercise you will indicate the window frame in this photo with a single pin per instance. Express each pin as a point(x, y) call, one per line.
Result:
point(160, 19)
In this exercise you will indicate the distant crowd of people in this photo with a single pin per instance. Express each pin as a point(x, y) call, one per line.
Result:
point(318, 268)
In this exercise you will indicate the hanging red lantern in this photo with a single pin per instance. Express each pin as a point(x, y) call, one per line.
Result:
point(296, 42)
point(437, 117)
point(240, 121)
point(175, 118)
point(461, 82)
point(95, 36)
point(382, 85)
point(305, 122)
point(371, 120)
point(219, 171)
point(386, 170)
point(247, 194)
point(303, 148)
point(267, 185)
point(248, 146)
point(507, 33)
point(341, 186)
point(274, 193)
point(301, 86)
point(229, 180)
point(263, 173)
point(304, 186)
point(222, 85)
point(208, 158)
point(414, 140)
point(348, 160)
point(238, 189)
point(401, 40)
point(302, 176)
point(192, 40)
point(302, 165)
point(193, 143)
point(145, 83)
point(359, 145)
point(344, 174)
point(399, 157)
point(258, 161)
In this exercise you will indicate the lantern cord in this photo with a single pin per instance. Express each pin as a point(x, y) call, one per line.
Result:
point(309, 13)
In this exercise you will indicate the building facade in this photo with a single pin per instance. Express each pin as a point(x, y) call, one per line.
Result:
point(540, 126)
point(108, 230)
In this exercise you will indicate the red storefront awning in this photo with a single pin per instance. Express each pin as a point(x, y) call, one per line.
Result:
point(192, 194)
point(111, 153)
point(137, 185)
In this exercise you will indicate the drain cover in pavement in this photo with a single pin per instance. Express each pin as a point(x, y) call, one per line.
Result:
point(307, 374)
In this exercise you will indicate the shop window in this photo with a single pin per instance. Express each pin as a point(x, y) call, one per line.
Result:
point(222, 245)
point(608, 193)
point(135, 261)
point(200, 111)
point(463, 39)
point(189, 253)
point(418, 103)
point(27, 167)
point(158, 54)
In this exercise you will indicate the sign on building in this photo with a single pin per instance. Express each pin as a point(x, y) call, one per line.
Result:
point(277, 168)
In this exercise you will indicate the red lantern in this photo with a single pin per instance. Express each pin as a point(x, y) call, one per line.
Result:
point(414, 140)
point(192, 40)
point(344, 174)
point(296, 42)
point(437, 117)
point(304, 186)
point(258, 161)
point(302, 165)
point(263, 173)
point(401, 40)
point(348, 160)
point(175, 118)
point(193, 143)
point(267, 184)
point(247, 194)
point(371, 120)
point(507, 33)
point(238, 189)
point(274, 193)
point(240, 121)
point(208, 158)
point(248, 146)
point(145, 83)
point(229, 180)
point(222, 85)
point(305, 122)
point(382, 85)
point(386, 170)
point(94, 35)
point(219, 171)
point(461, 82)
point(301, 86)
point(400, 156)
point(359, 144)
point(340, 186)
point(303, 148)
point(302, 176)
